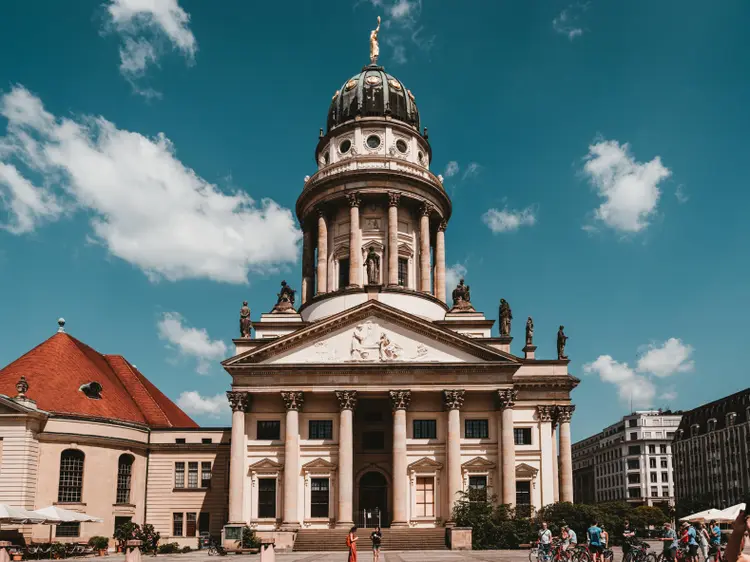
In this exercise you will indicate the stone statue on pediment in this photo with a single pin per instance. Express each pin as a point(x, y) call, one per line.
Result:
point(462, 298)
point(505, 317)
point(529, 331)
point(562, 339)
point(285, 302)
point(245, 323)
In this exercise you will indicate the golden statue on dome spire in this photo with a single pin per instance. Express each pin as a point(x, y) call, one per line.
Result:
point(374, 47)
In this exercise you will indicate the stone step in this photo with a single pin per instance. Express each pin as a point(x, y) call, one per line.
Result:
point(319, 540)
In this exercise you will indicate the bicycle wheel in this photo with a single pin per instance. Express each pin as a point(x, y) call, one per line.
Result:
point(651, 557)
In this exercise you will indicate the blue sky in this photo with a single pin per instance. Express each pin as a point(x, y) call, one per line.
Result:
point(595, 154)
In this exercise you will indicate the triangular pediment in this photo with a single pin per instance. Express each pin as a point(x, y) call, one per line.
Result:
point(372, 333)
point(9, 406)
point(524, 470)
point(425, 463)
point(478, 463)
point(266, 465)
point(318, 464)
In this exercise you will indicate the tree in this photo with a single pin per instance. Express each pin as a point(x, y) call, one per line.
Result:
point(645, 516)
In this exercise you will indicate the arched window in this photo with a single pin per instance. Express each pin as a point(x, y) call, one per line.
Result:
point(71, 476)
point(124, 476)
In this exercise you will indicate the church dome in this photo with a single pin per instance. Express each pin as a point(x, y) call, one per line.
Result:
point(373, 93)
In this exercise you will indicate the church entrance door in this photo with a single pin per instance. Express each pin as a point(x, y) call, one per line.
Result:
point(373, 500)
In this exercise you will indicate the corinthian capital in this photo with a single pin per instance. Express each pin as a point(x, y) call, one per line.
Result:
point(426, 209)
point(393, 198)
point(453, 399)
point(293, 399)
point(443, 225)
point(400, 399)
point(564, 413)
point(353, 199)
point(506, 397)
point(545, 413)
point(238, 401)
point(347, 399)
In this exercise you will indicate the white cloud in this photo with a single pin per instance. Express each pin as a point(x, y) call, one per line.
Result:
point(401, 20)
point(402, 8)
point(451, 169)
point(671, 357)
point(210, 406)
point(669, 395)
point(629, 188)
point(144, 25)
point(472, 170)
point(453, 275)
point(632, 388)
point(568, 21)
point(680, 194)
point(146, 206)
point(507, 220)
point(192, 342)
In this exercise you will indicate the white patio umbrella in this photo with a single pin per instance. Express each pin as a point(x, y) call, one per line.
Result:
point(10, 514)
point(702, 516)
point(55, 515)
point(730, 514)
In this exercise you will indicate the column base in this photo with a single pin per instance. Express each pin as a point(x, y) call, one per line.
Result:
point(344, 524)
point(450, 524)
point(399, 523)
point(289, 526)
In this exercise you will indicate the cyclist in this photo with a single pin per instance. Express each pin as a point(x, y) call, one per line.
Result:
point(545, 540)
point(669, 538)
point(595, 541)
point(628, 535)
point(714, 542)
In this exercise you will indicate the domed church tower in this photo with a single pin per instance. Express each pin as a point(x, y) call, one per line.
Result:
point(373, 215)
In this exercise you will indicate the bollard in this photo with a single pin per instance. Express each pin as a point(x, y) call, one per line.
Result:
point(267, 552)
point(132, 551)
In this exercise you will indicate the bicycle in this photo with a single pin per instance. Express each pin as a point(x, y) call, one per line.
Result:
point(639, 552)
point(215, 549)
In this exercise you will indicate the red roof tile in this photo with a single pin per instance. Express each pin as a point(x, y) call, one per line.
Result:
point(56, 369)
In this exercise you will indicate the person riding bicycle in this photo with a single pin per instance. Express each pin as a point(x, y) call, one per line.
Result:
point(596, 543)
point(669, 538)
point(545, 539)
point(568, 537)
point(628, 535)
point(714, 540)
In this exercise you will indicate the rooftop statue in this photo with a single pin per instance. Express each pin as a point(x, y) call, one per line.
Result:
point(462, 298)
point(530, 331)
point(285, 302)
point(505, 317)
point(374, 47)
point(245, 324)
point(561, 341)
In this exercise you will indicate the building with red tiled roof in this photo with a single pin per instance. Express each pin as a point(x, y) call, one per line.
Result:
point(89, 432)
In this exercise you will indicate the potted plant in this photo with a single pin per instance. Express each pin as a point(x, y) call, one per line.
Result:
point(17, 555)
point(99, 543)
point(58, 550)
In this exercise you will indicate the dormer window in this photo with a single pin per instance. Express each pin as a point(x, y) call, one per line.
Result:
point(92, 390)
point(694, 430)
point(731, 417)
point(712, 424)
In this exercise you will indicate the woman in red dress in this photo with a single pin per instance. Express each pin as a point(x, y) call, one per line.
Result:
point(351, 542)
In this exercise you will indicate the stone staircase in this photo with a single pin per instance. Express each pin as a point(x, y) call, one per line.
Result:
point(330, 540)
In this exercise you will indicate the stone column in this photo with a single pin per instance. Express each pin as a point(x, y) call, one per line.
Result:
point(355, 247)
point(506, 398)
point(307, 265)
point(322, 253)
point(293, 401)
point(453, 400)
point(555, 473)
point(347, 402)
point(440, 261)
point(240, 403)
point(400, 402)
point(545, 413)
point(566, 455)
point(393, 200)
point(424, 249)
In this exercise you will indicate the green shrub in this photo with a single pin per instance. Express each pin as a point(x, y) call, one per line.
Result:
point(186, 549)
point(99, 542)
point(249, 538)
point(169, 548)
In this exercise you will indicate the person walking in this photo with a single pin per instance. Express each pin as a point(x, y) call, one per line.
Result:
point(595, 541)
point(714, 543)
point(703, 539)
point(351, 542)
point(628, 535)
point(376, 536)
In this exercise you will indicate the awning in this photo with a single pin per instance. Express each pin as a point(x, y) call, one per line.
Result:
point(702, 516)
point(17, 515)
point(66, 515)
point(730, 514)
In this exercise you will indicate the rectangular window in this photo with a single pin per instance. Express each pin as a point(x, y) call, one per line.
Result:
point(633, 436)
point(180, 440)
point(269, 430)
point(177, 519)
point(634, 464)
point(206, 440)
point(343, 273)
point(68, 530)
point(403, 272)
point(652, 449)
point(191, 520)
point(179, 475)
point(634, 450)
point(665, 492)
point(192, 475)
point(663, 448)
point(267, 498)
point(632, 423)
point(664, 463)
point(670, 436)
point(206, 474)
point(321, 429)
point(522, 435)
point(634, 493)
point(204, 520)
point(654, 492)
point(425, 497)
point(476, 429)
point(652, 463)
point(478, 488)
point(373, 440)
point(654, 477)
point(319, 497)
point(634, 478)
point(665, 476)
point(70, 487)
point(425, 429)
point(120, 520)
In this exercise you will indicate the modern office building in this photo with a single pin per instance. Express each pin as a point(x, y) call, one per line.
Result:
point(630, 460)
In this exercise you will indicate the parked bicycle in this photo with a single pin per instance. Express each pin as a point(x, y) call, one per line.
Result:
point(215, 549)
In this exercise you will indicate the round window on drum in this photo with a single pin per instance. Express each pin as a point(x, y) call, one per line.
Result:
point(402, 146)
point(345, 146)
point(373, 141)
